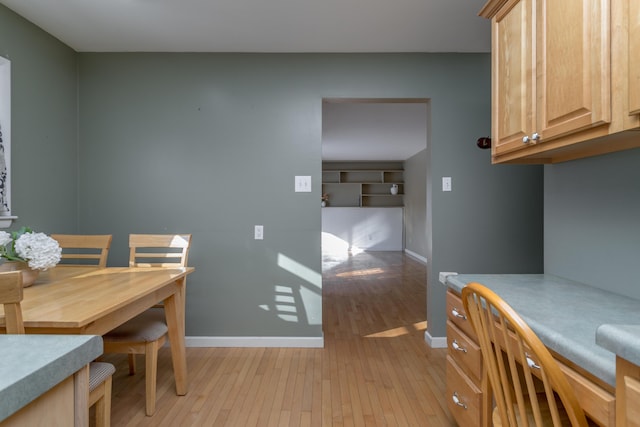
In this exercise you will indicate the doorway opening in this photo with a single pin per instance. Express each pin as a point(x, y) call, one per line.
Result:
point(374, 156)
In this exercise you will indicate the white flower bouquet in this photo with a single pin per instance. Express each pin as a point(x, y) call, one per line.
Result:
point(38, 250)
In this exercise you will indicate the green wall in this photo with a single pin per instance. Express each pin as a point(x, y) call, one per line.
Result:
point(210, 143)
point(44, 126)
point(415, 204)
point(592, 221)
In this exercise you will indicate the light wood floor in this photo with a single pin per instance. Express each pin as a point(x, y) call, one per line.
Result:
point(375, 368)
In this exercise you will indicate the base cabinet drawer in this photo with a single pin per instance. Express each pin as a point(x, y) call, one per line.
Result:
point(457, 315)
point(463, 397)
point(464, 351)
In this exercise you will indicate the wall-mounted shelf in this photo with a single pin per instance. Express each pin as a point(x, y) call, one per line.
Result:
point(5, 221)
point(363, 184)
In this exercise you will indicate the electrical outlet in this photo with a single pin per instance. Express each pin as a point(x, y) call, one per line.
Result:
point(258, 232)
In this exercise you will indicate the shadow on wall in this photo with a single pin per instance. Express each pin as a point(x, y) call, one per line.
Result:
point(291, 303)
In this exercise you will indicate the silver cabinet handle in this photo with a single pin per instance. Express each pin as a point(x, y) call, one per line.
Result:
point(526, 139)
point(457, 346)
point(531, 363)
point(457, 401)
point(535, 136)
point(456, 313)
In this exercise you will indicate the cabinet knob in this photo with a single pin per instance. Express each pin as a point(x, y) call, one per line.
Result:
point(533, 139)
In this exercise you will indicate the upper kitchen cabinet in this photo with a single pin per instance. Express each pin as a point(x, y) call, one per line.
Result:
point(559, 91)
point(633, 53)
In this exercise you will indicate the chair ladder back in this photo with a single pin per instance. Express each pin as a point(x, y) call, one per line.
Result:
point(517, 362)
point(10, 298)
point(84, 250)
point(159, 250)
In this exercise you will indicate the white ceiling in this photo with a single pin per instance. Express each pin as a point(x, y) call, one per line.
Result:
point(359, 131)
point(261, 25)
point(373, 131)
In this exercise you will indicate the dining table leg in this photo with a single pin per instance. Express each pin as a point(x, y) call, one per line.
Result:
point(174, 314)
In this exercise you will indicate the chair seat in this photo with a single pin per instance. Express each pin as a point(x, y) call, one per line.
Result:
point(146, 327)
point(98, 373)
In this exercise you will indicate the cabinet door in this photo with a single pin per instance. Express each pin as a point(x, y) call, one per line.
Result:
point(513, 76)
point(54, 408)
point(634, 56)
point(574, 66)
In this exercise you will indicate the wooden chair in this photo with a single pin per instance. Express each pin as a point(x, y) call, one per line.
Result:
point(159, 250)
point(527, 384)
point(147, 332)
point(11, 298)
point(99, 373)
point(84, 250)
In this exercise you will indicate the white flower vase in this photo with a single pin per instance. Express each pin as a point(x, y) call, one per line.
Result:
point(323, 204)
point(394, 189)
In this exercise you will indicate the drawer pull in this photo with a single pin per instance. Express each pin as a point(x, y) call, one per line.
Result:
point(456, 313)
point(531, 363)
point(457, 346)
point(457, 401)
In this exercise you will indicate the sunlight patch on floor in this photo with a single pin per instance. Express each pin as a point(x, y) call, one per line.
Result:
point(400, 331)
point(358, 273)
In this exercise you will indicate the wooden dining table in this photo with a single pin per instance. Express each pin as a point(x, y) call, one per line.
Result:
point(91, 301)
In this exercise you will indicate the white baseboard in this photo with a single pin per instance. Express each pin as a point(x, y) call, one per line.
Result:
point(297, 342)
point(416, 256)
point(435, 342)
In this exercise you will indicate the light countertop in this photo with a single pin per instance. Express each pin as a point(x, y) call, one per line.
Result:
point(623, 340)
point(568, 315)
point(30, 365)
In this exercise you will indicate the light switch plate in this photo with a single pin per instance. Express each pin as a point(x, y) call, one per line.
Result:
point(303, 184)
point(258, 232)
point(446, 183)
